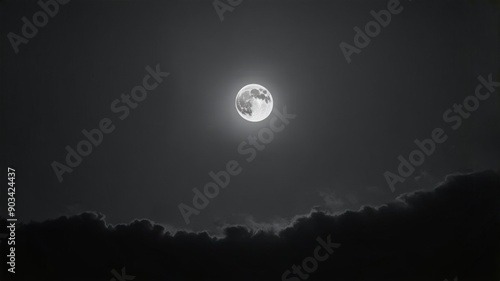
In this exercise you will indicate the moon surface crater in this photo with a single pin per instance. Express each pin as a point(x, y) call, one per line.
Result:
point(254, 103)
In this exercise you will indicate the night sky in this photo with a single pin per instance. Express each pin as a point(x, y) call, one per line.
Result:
point(348, 121)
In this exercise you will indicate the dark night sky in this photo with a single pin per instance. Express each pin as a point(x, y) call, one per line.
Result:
point(353, 120)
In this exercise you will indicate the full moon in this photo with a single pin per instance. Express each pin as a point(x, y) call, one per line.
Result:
point(254, 102)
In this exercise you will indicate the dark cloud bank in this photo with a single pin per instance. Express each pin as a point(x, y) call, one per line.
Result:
point(451, 231)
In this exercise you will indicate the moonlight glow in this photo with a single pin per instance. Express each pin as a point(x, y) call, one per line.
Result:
point(254, 103)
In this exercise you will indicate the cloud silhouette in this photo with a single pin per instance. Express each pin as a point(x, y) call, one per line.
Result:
point(453, 230)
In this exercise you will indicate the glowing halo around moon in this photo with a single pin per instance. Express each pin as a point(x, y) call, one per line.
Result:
point(254, 103)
